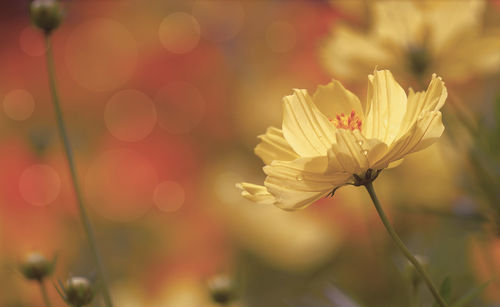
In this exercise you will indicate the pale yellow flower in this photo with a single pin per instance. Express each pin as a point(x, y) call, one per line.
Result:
point(332, 139)
point(416, 38)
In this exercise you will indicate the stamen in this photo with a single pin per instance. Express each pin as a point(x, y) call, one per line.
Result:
point(351, 121)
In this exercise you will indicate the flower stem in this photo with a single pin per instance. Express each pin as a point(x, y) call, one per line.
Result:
point(44, 294)
point(403, 248)
point(69, 155)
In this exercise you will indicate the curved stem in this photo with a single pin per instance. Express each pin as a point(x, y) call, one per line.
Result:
point(69, 155)
point(44, 294)
point(403, 248)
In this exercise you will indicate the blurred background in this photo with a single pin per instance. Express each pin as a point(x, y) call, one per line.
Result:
point(164, 101)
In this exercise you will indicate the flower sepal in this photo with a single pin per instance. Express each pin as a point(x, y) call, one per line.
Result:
point(368, 178)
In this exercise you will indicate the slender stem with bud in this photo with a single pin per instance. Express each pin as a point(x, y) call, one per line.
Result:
point(45, 296)
point(69, 155)
point(402, 247)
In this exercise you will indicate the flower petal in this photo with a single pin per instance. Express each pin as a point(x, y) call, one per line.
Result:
point(353, 153)
point(351, 55)
point(273, 146)
point(422, 102)
point(309, 132)
point(256, 193)
point(399, 23)
point(474, 56)
point(333, 99)
point(424, 133)
point(451, 21)
point(296, 184)
point(386, 107)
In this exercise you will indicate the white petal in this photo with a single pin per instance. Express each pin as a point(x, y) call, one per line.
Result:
point(309, 132)
point(273, 146)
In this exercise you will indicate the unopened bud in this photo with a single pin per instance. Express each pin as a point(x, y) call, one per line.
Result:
point(46, 14)
point(221, 289)
point(36, 266)
point(78, 291)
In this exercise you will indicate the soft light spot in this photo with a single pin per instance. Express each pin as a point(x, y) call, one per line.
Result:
point(18, 104)
point(179, 32)
point(130, 115)
point(101, 54)
point(120, 184)
point(39, 185)
point(220, 20)
point(169, 196)
point(180, 107)
point(280, 36)
point(223, 185)
point(31, 42)
point(350, 122)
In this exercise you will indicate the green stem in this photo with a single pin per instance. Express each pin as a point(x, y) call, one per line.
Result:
point(44, 294)
point(403, 248)
point(69, 155)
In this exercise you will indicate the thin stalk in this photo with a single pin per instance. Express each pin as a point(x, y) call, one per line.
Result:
point(69, 155)
point(44, 294)
point(403, 248)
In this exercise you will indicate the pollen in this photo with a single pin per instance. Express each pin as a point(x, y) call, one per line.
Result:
point(347, 121)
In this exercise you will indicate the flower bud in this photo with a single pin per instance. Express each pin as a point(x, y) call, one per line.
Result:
point(36, 266)
point(78, 291)
point(46, 14)
point(221, 289)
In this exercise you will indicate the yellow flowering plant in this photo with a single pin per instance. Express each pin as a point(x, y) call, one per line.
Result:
point(331, 139)
point(414, 38)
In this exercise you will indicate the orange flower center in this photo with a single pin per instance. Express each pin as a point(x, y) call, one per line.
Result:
point(351, 121)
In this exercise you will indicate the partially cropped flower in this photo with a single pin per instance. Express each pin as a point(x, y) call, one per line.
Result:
point(416, 38)
point(331, 139)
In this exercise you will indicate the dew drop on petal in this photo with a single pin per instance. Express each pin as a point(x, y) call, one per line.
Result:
point(360, 142)
point(300, 177)
point(364, 152)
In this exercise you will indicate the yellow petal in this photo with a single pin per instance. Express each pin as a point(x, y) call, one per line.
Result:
point(398, 23)
point(419, 103)
point(273, 146)
point(295, 185)
point(450, 21)
point(347, 54)
point(386, 107)
point(256, 193)
point(473, 56)
point(308, 132)
point(424, 133)
point(353, 153)
point(333, 99)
